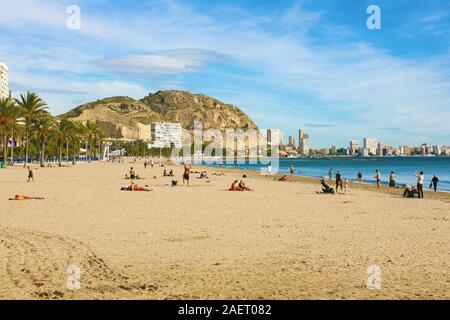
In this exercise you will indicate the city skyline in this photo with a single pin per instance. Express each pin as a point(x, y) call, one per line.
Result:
point(287, 65)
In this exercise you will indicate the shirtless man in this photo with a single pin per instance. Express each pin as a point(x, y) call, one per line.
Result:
point(186, 174)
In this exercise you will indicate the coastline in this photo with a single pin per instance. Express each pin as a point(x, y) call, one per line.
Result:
point(398, 191)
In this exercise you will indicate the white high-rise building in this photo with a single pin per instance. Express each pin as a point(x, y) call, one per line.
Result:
point(275, 137)
point(4, 87)
point(166, 135)
point(354, 146)
point(371, 145)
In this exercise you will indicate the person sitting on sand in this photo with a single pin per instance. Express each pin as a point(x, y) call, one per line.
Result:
point(243, 187)
point(20, 198)
point(234, 186)
point(165, 173)
point(284, 178)
point(410, 192)
point(203, 175)
point(171, 173)
point(132, 173)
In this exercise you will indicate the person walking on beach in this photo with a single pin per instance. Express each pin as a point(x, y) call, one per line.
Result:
point(420, 179)
point(360, 176)
point(392, 180)
point(186, 174)
point(269, 171)
point(152, 164)
point(330, 174)
point(292, 169)
point(339, 181)
point(378, 178)
point(145, 164)
point(434, 183)
point(30, 174)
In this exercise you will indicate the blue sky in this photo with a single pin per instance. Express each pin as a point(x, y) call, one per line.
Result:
point(289, 64)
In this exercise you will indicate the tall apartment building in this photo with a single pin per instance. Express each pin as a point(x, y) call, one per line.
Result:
point(275, 137)
point(354, 146)
point(4, 87)
point(303, 143)
point(292, 141)
point(166, 135)
point(371, 145)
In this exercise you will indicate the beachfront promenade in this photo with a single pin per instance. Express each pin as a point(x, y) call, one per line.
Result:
point(282, 241)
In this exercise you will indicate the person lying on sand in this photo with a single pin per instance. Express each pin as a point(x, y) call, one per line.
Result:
point(135, 187)
point(218, 174)
point(284, 178)
point(20, 198)
point(243, 187)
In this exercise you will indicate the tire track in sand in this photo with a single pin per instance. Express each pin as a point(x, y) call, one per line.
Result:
point(36, 265)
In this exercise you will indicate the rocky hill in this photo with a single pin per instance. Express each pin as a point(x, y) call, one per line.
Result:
point(125, 117)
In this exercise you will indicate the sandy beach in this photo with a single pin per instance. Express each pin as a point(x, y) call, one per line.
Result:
point(282, 241)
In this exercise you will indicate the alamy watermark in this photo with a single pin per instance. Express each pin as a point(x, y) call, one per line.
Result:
point(374, 278)
point(230, 147)
point(73, 281)
point(374, 20)
point(74, 19)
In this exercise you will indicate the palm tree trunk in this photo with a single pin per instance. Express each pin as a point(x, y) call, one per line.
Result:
point(60, 155)
point(26, 146)
point(5, 147)
point(74, 151)
point(42, 153)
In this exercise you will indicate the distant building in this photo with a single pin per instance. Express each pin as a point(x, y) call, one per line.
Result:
point(4, 86)
point(303, 143)
point(166, 135)
point(275, 137)
point(292, 142)
point(436, 150)
point(371, 144)
point(354, 146)
point(333, 150)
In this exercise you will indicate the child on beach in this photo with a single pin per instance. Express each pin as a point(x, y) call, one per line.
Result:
point(346, 186)
point(378, 178)
point(30, 174)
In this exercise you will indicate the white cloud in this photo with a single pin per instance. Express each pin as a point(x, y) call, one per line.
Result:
point(168, 61)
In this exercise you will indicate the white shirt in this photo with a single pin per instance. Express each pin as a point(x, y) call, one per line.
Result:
point(269, 169)
point(420, 178)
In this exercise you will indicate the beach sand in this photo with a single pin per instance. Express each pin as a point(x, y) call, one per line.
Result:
point(282, 241)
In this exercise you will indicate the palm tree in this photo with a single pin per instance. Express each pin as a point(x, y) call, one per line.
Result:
point(76, 136)
point(32, 108)
point(8, 116)
point(63, 132)
point(44, 128)
point(91, 131)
